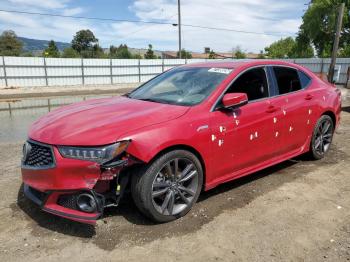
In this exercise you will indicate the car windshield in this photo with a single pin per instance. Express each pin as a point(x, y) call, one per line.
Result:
point(185, 86)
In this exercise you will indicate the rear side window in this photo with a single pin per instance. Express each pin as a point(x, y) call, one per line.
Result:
point(304, 79)
point(287, 80)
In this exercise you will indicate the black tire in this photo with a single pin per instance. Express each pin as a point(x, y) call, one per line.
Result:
point(322, 137)
point(151, 176)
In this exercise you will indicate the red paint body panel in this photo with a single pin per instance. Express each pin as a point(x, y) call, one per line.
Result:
point(230, 144)
point(100, 121)
point(69, 174)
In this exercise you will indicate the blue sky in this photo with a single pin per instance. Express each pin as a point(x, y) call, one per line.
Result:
point(280, 18)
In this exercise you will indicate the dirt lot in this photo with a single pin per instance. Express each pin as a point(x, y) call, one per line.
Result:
point(296, 211)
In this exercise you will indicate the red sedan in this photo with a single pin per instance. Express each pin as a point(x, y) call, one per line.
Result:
point(187, 130)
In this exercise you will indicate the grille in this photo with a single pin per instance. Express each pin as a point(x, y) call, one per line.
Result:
point(68, 201)
point(39, 156)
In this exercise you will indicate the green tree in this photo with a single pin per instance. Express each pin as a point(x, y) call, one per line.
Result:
point(69, 52)
point(345, 52)
point(150, 53)
point(302, 47)
point(86, 44)
point(184, 54)
point(319, 25)
point(290, 48)
point(283, 48)
point(238, 53)
point(10, 45)
point(121, 52)
point(212, 54)
point(51, 50)
point(27, 54)
point(136, 56)
point(261, 55)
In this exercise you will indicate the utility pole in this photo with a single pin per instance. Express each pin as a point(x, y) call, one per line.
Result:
point(336, 42)
point(179, 24)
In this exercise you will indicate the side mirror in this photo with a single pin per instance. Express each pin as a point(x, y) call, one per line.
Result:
point(233, 100)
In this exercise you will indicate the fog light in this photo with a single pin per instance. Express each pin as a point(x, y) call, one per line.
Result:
point(86, 203)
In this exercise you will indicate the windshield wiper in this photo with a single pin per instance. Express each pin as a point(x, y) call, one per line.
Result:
point(150, 100)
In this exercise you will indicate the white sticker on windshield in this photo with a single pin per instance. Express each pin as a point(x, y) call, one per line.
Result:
point(225, 71)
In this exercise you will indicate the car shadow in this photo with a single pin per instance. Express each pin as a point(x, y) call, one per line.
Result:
point(129, 211)
point(247, 179)
point(346, 109)
point(127, 208)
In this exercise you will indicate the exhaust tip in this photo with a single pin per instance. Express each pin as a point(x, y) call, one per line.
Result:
point(86, 203)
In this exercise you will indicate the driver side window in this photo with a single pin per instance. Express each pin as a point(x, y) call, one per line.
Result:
point(253, 83)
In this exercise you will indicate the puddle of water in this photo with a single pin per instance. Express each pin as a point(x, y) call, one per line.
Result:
point(14, 126)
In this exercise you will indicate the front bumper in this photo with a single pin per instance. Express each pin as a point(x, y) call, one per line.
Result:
point(55, 189)
point(51, 202)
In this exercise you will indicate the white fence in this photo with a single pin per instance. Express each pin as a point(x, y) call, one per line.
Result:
point(38, 71)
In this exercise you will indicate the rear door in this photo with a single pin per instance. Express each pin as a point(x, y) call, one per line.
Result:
point(297, 106)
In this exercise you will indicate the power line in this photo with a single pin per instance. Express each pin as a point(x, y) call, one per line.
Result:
point(143, 28)
point(142, 21)
point(84, 17)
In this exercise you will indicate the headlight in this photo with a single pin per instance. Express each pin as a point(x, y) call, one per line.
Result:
point(95, 154)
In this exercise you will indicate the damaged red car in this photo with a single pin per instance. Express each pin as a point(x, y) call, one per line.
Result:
point(187, 130)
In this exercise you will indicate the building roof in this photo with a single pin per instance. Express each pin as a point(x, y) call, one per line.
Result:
point(227, 63)
point(195, 55)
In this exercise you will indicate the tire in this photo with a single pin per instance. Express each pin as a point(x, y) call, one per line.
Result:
point(321, 137)
point(164, 195)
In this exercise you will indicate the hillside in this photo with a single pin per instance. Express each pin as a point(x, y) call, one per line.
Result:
point(31, 45)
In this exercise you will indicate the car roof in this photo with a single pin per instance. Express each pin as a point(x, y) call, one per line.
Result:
point(240, 63)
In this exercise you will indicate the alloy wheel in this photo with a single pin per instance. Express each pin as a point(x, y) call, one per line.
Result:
point(323, 137)
point(175, 186)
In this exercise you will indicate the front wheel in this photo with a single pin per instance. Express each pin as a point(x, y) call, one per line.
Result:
point(322, 137)
point(167, 188)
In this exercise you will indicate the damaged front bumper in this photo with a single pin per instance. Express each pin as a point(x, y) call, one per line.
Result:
point(75, 189)
point(63, 204)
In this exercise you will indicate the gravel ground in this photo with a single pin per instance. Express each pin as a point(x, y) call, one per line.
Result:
point(296, 211)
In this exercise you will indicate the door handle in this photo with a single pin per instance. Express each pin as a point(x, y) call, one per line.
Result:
point(308, 97)
point(271, 109)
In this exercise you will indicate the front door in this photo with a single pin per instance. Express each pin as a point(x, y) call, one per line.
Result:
point(244, 137)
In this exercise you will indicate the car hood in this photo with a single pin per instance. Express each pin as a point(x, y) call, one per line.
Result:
point(100, 121)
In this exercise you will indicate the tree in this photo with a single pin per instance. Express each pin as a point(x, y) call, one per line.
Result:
point(290, 48)
point(121, 52)
point(184, 54)
point(27, 54)
point(150, 54)
point(212, 54)
point(69, 52)
point(303, 48)
point(282, 48)
point(261, 55)
point(238, 53)
point(10, 45)
point(85, 43)
point(345, 52)
point(319, 25)
point(51, 50)
point(136, 56)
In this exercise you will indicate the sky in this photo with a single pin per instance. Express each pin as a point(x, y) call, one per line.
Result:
point(273, 19)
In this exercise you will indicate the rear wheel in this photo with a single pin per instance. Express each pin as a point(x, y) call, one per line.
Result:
point(167, 188)
point(322, 137)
